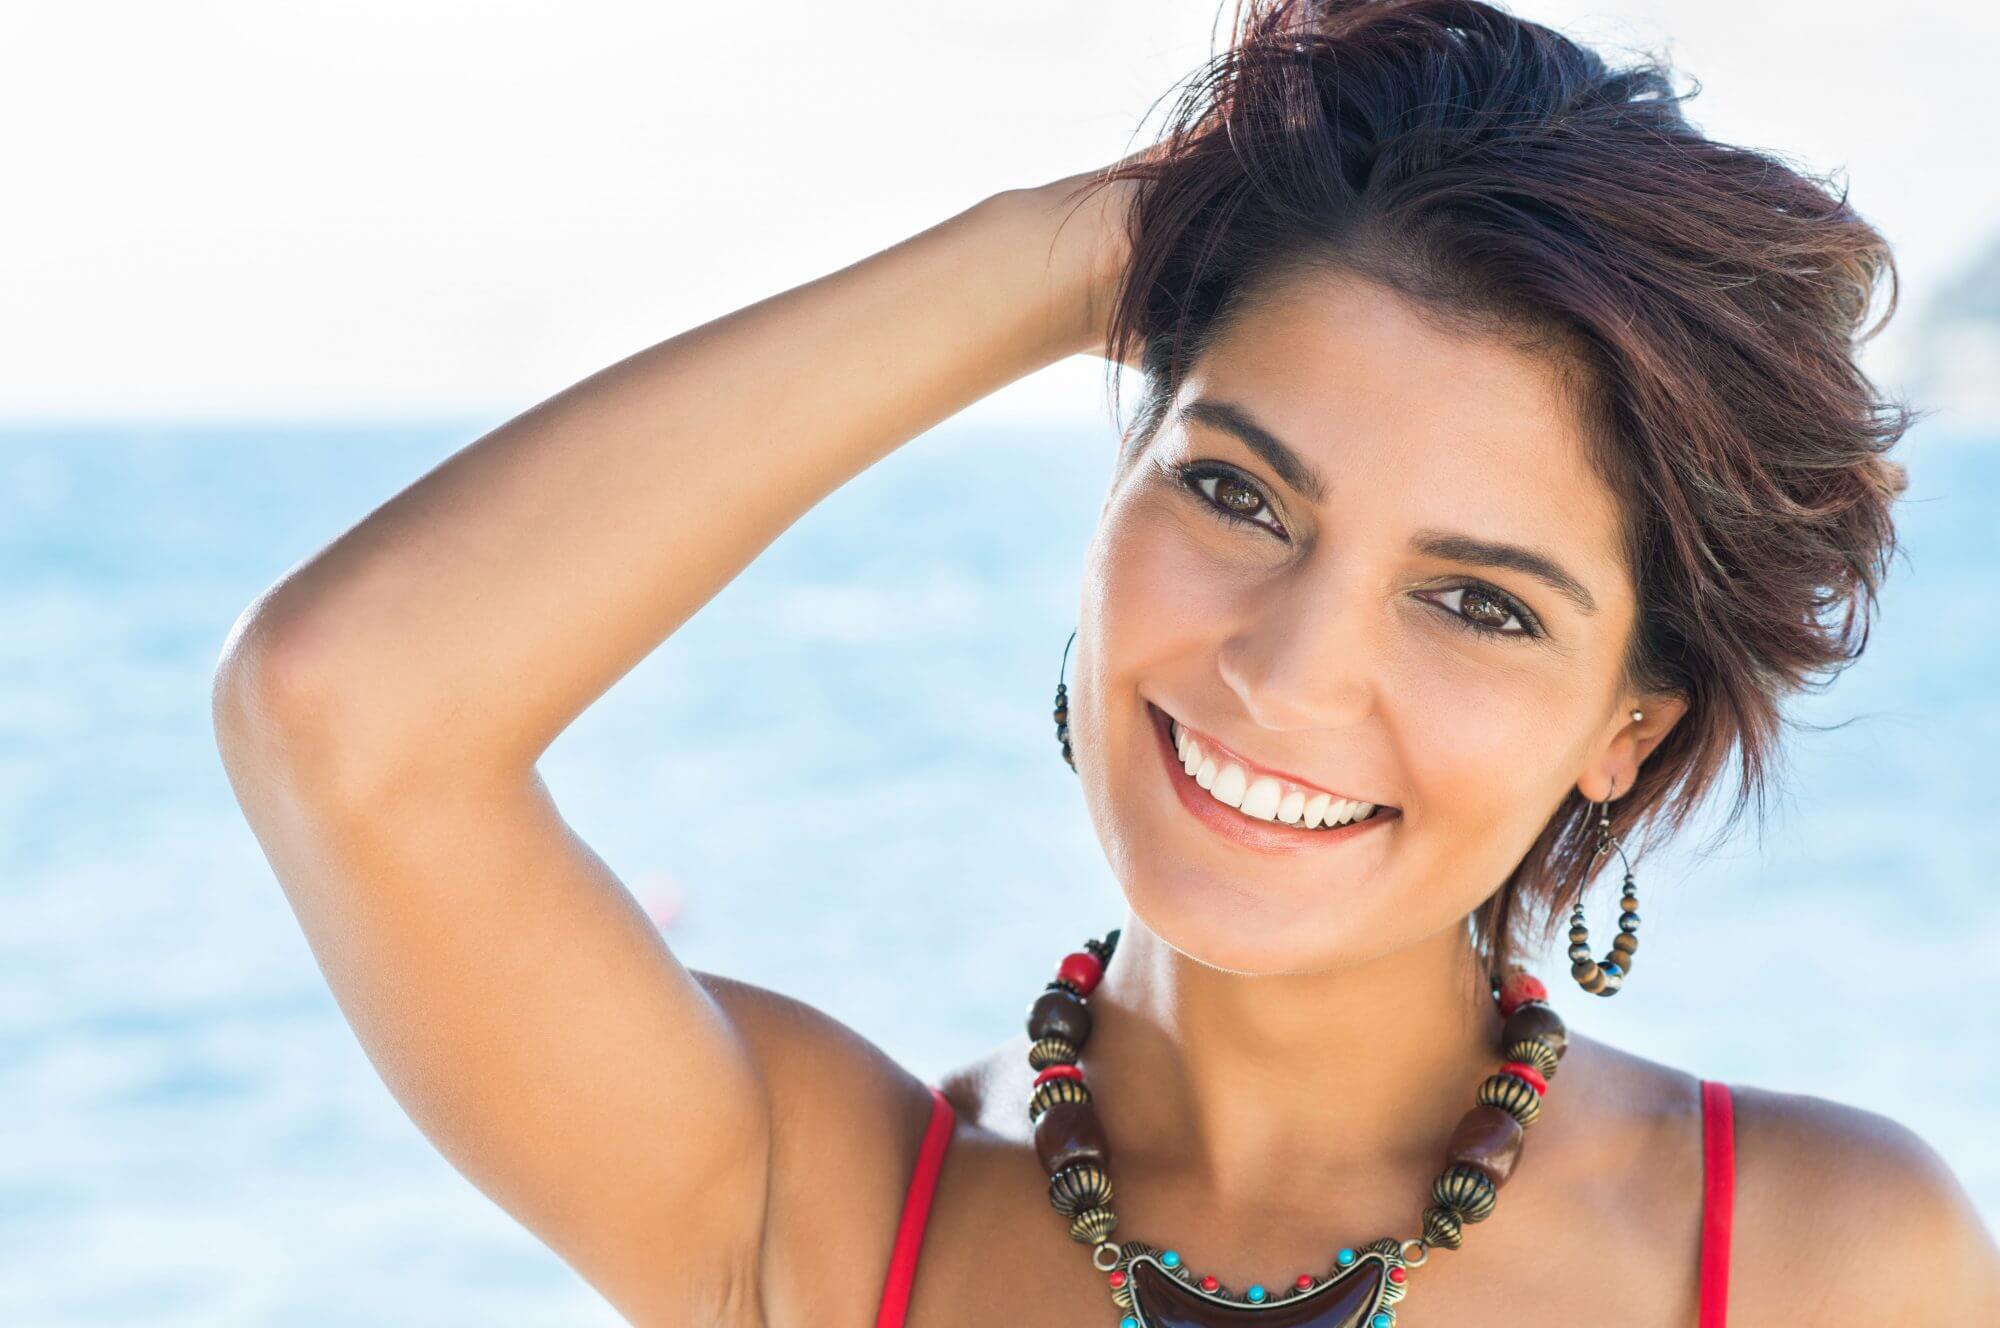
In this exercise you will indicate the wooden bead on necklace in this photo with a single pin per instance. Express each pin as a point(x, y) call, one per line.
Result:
point(1360, 1287)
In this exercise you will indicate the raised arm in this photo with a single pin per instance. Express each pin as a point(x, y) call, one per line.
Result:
point(380, 711)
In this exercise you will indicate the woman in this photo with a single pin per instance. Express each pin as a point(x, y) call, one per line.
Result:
point(1502, 466)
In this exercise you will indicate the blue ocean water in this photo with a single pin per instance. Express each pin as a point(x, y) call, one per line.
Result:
point(189, 1133)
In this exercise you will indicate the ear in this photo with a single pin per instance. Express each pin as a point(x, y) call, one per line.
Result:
point(1628, 742)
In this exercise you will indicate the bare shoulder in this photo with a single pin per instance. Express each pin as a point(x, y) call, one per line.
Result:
point(1845, 1216)
point(847, 1121)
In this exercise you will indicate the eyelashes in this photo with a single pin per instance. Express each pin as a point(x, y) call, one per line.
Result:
point(1487, 603)
point(1490, 612)
point(1194, 474)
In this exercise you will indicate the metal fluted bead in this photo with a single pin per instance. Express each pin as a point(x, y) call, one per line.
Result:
point(1512, 1094)
point(1468, 1192)
point(1079, 1186)
point(1535, 1052)
point(1442, 1228)
point(1054, 1091)
point(1092, 1225)
point(1051, 1051)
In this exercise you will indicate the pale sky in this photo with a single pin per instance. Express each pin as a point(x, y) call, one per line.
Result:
point(390, 208)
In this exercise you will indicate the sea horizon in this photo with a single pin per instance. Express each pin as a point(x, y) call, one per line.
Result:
point(195, 1137)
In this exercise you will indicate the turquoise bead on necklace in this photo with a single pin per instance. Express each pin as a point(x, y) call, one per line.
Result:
point(1153, 1287)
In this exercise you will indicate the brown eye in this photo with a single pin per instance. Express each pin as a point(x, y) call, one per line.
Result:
point(1228, 495)
point(1237, 496)
point(1484, 609)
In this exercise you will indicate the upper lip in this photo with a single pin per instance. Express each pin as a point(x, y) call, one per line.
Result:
point(1255, 768)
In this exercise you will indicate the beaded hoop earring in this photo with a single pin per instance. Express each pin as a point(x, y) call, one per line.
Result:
point(1062, 706)
point(1606, 977)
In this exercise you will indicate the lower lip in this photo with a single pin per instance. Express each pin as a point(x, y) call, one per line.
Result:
point(1248, 831)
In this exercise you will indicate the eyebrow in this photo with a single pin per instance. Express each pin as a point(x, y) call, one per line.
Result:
point(1296, 471)
point(1487, 553)
point(1232, 419)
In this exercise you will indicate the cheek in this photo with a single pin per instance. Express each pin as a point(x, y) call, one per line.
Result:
point(1149, 588)
point(1489, 746)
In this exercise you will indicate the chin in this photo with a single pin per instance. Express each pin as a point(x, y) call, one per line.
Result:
point(1219, 924)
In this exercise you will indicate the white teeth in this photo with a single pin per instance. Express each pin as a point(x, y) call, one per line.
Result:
point(1265, 797)
point(1261, 798)
point(1229, 785)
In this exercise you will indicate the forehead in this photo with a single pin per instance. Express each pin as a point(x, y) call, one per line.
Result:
point(1411, 420)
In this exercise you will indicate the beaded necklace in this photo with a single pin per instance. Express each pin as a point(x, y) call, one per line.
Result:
point(1154, 1288)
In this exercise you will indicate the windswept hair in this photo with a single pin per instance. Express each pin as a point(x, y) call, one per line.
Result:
point(1703, 301)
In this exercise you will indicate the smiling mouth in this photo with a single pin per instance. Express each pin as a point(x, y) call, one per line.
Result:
point(1216, 776)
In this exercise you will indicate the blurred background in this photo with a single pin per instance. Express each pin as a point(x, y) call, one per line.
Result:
point(265, 265)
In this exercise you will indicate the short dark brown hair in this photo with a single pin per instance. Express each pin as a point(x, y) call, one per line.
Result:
point(1705, 301)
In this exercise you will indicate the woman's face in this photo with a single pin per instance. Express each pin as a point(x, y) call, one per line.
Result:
point(1374, 556)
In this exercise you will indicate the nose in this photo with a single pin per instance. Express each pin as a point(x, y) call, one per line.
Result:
point(1309, 656)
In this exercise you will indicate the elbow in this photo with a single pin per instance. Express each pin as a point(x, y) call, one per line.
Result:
point(275, 710)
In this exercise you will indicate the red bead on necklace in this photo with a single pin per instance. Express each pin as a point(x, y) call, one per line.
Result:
point(1154, 1288)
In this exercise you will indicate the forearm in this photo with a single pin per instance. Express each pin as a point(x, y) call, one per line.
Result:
point(474, 615)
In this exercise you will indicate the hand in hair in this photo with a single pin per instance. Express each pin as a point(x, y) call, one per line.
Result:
point(1092, 243)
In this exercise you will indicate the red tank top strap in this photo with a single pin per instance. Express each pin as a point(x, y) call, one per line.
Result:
point(1718, 1199)
point(916, 1214)
point(1718, 1202)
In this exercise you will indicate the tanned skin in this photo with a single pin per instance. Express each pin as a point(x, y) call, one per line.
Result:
point(703, 1151)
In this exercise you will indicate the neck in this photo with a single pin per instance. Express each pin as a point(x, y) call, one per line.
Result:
point(1222, 1088)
